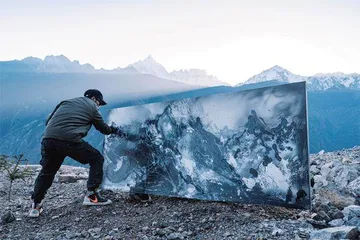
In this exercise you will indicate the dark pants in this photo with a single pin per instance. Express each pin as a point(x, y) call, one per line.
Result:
point(53, 153)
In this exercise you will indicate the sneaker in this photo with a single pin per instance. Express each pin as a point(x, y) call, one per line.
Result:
point(36, 209)
point(95, 199)
point(140, 197)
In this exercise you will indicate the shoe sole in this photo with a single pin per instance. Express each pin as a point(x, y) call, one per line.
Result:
point(87, 202)
point(36, 215)
point(96, 204)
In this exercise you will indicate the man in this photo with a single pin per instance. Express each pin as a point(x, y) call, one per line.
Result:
point(65, 127)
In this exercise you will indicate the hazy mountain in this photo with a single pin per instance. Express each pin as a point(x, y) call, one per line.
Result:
point(192, 76)
point(51, 64)
point(196, 77)
point(330, 81)
point(318, 82)
point(150, 66)
point(61, 64)
point(276, 73)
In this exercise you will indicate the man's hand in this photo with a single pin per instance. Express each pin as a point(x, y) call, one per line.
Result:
point(117, 131)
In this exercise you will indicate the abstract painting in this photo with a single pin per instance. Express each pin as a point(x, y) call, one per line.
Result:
point(245, 146)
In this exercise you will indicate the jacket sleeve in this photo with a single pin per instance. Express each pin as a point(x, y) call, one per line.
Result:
point(100, 125)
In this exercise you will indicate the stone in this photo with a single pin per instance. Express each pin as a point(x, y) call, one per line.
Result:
point(351, 211)
point(175, 235)
point(354, 187)
point(337, 214)
point(353, 222)
point(161, 232)
point(338, 200)
point(277, 232)
point(70, 235)
point(317, 224)
point(336, 223)
point(345, 232)
point(95, 232)
point(8, 217)
point(324, 207)
point(321, 215)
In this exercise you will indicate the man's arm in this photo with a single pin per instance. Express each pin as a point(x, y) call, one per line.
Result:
point(100, 125)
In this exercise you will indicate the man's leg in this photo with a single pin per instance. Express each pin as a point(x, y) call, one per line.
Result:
point(86, 154)
point(51, 160)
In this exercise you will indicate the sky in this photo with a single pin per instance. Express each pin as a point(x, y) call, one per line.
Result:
point(232, 40)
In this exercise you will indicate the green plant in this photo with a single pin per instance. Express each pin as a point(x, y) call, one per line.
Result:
point(15, 168)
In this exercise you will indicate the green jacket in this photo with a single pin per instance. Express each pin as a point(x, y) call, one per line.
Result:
point(72, 119)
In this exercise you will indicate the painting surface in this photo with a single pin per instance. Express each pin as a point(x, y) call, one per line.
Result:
point(246, 146)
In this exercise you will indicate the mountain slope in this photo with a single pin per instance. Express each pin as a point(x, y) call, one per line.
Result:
point(318, 82)
point(193, 76)
point(196, 77)
point(150, 66)
point(275, 73)
point(51, 64)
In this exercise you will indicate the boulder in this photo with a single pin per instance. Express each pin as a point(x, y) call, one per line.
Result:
point(345, 232)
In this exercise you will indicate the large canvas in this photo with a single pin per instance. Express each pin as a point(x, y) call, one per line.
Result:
point(245, 146)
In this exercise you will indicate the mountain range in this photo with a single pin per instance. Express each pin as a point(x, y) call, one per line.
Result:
point(61, 64)
point(196, 77)
point(30, 88)
point(318, 82)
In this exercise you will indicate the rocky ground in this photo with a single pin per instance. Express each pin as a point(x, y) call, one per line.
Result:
point(335, 213)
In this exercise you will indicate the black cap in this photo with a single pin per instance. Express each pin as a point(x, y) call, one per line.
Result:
point(96, 94)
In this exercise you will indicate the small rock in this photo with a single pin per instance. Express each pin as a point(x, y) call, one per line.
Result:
point(70, 235)
point(8, 217)
point(317, 224)
point(145, 228)
point(95, 232)
point(351, 211)
point(353, 222)
point(322, 216)
point(227, 234)
point(113, 232)
point(336, 223)
point(85, 234)
point(336, 233)
point(175, 235)
point(161, 232)
point(337, 214)
point(277, 232)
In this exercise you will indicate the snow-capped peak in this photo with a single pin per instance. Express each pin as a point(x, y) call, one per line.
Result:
point(336, 74)
point(317, 82)
point(275, 73)
point(150, 66)
point(192, 76)
point(57, 64)
point(196, 77)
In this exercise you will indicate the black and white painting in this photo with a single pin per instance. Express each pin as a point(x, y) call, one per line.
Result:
point(245, 146)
